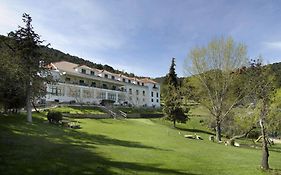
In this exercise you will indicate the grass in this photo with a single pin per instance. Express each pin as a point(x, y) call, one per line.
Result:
point(130, 110)
point(133, 146)
point(79, 110)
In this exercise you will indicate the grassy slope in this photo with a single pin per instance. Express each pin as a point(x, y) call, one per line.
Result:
point(79, 110)
point(135, 146)
point(140, 110)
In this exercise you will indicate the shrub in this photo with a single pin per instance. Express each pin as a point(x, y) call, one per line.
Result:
point(107, 102)
point(54, 117)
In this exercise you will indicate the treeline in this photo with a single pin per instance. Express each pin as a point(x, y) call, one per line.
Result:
point(275, 67)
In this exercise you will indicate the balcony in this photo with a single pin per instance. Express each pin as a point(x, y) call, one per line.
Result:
point(103, 86)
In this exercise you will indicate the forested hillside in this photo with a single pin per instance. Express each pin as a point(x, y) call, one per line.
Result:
point(276, 67)
point(54, 55)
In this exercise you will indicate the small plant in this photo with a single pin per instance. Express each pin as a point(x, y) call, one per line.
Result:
point(54, 117)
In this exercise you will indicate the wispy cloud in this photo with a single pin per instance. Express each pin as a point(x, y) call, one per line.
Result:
point(275, 45)
point(142, 36)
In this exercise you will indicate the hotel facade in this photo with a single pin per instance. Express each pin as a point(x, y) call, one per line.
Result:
point(82, 84)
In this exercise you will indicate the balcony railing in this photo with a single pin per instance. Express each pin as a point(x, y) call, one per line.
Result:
point(100, 87)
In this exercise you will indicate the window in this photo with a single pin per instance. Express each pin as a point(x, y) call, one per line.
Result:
point(67, 79)
point(92, 73)
point(56, 91)
point(143, 99)
point(113, 87)
point(105, 76)
point(137, 99)
point(124, 80)
point(138, 83)
point(104, 86)
point(143, 93)
point(152, 100)
point(130, 91)
point(157, 101)
point(157, 95)
point(129, 81)
point(151, 94)
point(137, 92)
point(142, 84)
point(83, 71)
point(81, 82)
point(103, 95)
point(112, 77)
point(93, 84)
point(111, 96)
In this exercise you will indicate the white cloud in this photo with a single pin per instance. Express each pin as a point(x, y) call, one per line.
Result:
point(276, 45)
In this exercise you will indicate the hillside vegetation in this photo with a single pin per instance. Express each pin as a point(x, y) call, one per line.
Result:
point(133, 146)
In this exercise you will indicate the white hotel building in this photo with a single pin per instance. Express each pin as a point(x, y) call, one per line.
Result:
point(83, 84)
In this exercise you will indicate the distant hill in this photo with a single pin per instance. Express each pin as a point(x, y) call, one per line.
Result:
point(54, 55)
point(276, 67)
point(161, 80)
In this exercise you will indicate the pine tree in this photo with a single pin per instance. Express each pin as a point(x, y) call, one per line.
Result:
point(172, 76)
point(26, 47)
point(172, 100)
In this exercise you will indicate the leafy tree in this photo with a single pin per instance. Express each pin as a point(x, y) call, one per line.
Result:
point(213, 68)
point(26, 47)
point(274, 118)
point(172, 100)
point(262, 83)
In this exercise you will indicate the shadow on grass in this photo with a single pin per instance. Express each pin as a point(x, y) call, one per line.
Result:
point(40, 148)
point(275, 171)
point(275, 148)
point(195, 130)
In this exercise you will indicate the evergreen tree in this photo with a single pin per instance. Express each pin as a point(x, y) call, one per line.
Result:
point(26, 47)
point(12, 93)
point(172, 99)
point(172, 76)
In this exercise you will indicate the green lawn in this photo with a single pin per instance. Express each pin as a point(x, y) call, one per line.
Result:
point(130, 110)
point(79, 110)
point(133, 146)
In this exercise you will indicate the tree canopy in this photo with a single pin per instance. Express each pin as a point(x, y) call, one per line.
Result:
point(212, 66)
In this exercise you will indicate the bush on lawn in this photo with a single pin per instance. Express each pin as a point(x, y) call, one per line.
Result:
point(54, 117)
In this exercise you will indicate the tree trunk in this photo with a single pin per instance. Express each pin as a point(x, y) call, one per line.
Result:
point(174, 123)
point(218, 129)
point(232, 140)
point(265, 153)
point(35, 107)
point(28, 103)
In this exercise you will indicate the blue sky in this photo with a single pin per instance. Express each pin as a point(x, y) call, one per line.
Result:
point(141, 36)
